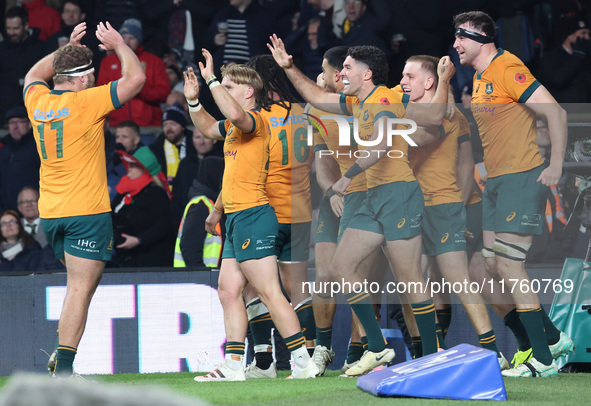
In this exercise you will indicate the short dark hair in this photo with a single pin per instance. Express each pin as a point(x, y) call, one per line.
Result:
point(428, 63)
point(129, 124)
point(77, 3)
point(374, 58)
point(479, 20)
point(335, 56)
point(17, 11)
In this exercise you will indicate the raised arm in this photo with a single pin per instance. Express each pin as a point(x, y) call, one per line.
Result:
point(200, 117)
point(132, 75)
point(43, 70)
point(310, 91)
point(542, 102)
point(229, 107)
point(426, 135)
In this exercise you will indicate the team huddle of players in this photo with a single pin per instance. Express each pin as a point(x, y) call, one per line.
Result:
point(409, 210)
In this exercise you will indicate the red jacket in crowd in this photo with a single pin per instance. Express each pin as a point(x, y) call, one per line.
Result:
point(41, 16)
point(144, 109)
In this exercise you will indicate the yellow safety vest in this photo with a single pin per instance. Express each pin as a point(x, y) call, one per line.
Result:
point(212, 246)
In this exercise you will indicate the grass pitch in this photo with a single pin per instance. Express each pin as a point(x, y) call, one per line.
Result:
point(567, 389)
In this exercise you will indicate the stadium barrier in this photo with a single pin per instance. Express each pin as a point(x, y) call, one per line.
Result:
point(158, 320)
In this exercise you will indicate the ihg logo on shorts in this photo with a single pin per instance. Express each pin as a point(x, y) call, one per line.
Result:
point(387, 129)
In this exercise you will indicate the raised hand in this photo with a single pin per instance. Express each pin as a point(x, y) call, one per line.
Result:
point(281, 56)
point(207, 69)
point(77, 33)
point(445, 69)
point(191, 85)
point(108, 36)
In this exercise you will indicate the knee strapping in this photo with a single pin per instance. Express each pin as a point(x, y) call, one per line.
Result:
point(515, 251)
point(303, 303)
point(487, 253)
point(255, 308)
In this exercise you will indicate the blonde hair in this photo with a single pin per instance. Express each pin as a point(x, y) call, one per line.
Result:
point(428, 63)
point(243, 75)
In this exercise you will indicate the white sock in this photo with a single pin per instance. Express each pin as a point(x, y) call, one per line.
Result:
point(301, 357)
point(232, 363)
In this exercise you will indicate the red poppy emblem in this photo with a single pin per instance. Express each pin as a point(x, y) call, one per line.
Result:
point(384, 101)
point(520, 78)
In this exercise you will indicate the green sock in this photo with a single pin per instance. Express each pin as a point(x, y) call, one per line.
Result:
point(65, 360)
point(355, 352)
point(295, 341)
point(305, 315)
point(532, 320)
point(516, 326)
point(234, 347)
point(364, 343)
point(417, 346)
point(324, 336)
point(259, 322)
point(425, 316)
point(552, 333)
point(440, 339)
point(488, 340)
point(361, 305)
point(444, 317)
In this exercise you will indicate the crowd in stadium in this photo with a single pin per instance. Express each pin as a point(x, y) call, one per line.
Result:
point(540, 33)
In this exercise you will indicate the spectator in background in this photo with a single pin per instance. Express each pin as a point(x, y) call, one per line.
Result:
point(128, 139)
point(365, 25)
point(19, 51)
point(19, 161)
point(174, 143)
point(188, 171)
point(309, 44)
point(144, 109)
point(175, 78)
point(242, 29)
point(28, 207)
point(194, 246)
point(19, 251)
point(116, 11)
point(566, 69)
point(73, 12)
point(127, 134)
point(141, 213)
point(41, 16)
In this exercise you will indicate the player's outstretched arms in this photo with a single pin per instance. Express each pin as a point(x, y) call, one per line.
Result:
point(43, 70)
point(229, 107)
point(310, 91)
point(132, 75)
point(200, 117)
